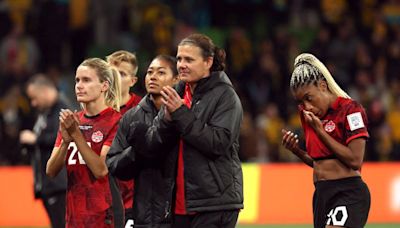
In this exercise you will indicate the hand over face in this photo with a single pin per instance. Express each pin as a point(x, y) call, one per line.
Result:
point(312, 120)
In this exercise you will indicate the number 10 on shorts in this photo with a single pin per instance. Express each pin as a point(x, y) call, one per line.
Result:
point(337, 216)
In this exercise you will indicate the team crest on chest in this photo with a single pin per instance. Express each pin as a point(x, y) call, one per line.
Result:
point(330, 126)
point(97, 136)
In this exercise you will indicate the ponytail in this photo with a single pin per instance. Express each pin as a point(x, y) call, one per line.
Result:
point(218, 60)
point(113, 94)
point(308, 69)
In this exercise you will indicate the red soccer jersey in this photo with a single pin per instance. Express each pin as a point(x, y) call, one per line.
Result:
point(127, 187)
point(135, 99)
point(89, 200)
point(344, 121)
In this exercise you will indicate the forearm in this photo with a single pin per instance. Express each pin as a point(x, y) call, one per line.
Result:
point(342, 152)
point(95, 163)
point(304, 157)
point(57, 160)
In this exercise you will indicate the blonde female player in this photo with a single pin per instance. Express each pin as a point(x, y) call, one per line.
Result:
point(83, 141)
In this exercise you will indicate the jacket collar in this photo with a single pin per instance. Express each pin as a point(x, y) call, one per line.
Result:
point(147, 104)
point(216, 78)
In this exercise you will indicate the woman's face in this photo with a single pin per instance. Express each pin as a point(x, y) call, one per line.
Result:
point(314, 98)
point(159, 74)
point(128, 79)
point(88, 87)
point(191, 65)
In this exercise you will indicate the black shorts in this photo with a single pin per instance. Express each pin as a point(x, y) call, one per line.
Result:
point(343, 202)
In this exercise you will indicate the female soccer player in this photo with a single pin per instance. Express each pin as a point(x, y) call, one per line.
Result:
point(335, 129)
point(153, 166)
point(82, 144)
point(127, 65)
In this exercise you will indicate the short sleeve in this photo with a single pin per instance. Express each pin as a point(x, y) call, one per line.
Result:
point(356, 122)
point(111, 135)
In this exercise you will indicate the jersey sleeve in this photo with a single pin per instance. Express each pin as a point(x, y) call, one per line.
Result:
point(356, 122)
point(111, 136)
point(58, 139)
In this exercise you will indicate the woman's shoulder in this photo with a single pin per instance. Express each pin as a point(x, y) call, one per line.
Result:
point(349, 103)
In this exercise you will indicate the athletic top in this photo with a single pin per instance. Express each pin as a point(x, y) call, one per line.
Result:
point(90, 200)
point(345, 120)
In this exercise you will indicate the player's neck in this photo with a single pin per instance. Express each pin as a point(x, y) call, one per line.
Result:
point(125, 98)
point(95, 107)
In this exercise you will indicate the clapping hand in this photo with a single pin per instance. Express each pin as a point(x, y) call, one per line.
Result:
point(171, 99)
point(69, 124)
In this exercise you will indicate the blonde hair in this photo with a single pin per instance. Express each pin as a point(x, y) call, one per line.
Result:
point(308, 69)
point(123, 56)
point(110, 74)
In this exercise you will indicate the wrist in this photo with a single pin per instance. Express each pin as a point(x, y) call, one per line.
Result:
point(66, 141)
point(298, 151)
point(75, 134)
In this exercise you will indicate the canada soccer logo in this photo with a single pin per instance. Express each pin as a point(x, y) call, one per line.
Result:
point(330, 126)
point(97, 136)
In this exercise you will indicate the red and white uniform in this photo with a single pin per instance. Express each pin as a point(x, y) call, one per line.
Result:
point(89, 200)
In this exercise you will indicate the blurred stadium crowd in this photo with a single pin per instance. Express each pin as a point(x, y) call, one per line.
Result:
point(359, 41)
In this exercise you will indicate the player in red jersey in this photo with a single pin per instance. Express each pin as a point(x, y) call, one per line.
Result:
point(126, 63)
point(335, 129)
point(82, 144)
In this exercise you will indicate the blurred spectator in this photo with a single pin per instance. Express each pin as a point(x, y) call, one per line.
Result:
point(52, 32)
point(157, 27)
point(363, 89)
point(270, 124)
point(248, 139)
point(18, 11)
point(15, 115)
point(19, 55)
point(393, 119)
point(391, 11)
point(239, 51)
point(320, 46)
point(378, 147)
point(333, 11)
point(80, 30)
point(39, 141)
point(358, 40)
point(5, 20)
point(342, 51)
